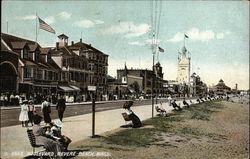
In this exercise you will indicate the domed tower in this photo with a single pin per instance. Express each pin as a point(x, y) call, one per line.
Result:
point(184, 59)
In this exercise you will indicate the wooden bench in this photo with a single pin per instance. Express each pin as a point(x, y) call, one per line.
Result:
point(32, 140)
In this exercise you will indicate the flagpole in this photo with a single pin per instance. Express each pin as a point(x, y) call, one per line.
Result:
point(36, 26)
point(7, 27)
point(184, 40)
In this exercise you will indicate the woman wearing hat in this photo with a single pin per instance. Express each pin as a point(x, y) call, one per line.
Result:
point(56, 134)
point(136, 122)
point(23, 117)
point(42, 138)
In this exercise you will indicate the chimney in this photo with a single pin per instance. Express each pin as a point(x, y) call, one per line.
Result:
point(81, 40)
point(72, 42)
point(57, 45)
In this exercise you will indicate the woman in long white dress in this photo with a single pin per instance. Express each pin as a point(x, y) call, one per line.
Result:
point(23, 117)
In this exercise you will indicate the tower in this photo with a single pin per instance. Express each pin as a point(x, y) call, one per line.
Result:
point(63, 40)
point(184, 59)
point(125, 75)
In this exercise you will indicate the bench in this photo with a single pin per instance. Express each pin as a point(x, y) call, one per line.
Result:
point(32, 140)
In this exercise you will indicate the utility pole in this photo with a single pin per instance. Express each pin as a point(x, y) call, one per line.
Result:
point(153, 77)
point(7, 27)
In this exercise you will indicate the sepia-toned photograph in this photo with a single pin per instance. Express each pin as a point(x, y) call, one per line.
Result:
point(124, 79)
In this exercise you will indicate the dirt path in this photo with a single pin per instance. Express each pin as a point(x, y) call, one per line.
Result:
point(224, 135)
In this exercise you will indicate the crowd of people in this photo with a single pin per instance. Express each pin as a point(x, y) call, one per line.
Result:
point(47, 134)
point(12, 99)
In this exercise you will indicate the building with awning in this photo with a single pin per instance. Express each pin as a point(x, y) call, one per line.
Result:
point(66, 89)
point(36, 72)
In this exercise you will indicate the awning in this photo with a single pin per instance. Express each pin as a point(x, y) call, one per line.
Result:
point(131, 90)
point(66, 88)
point(75, 88)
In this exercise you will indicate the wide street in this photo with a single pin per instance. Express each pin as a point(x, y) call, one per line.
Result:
point(9, 117)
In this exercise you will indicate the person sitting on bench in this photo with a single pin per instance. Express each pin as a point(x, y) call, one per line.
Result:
point(136, 122)
point(160, 109)
point(185, 103)
point(56, 134)
point(43, 139)
point(176, 107)
point(202, 100)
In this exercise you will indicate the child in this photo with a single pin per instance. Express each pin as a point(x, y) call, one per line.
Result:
point(23, 117)
point(31, 111)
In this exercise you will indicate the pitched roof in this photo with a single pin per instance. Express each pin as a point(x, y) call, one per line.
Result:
point(33, 47)
point(45, 50)
point(85, 46)
point(63, 35)
point(28, 62)
point(63, 51)
point(5, 48)
point(9, 39)
point(18, 45)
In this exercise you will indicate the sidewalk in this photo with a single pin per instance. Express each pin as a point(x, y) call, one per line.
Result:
point(15, 143)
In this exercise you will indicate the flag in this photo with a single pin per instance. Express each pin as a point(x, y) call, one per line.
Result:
point(161, 49)
point(186, 36)
point(45, 26)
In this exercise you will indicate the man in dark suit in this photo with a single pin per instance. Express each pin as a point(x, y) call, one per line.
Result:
point(61, 106)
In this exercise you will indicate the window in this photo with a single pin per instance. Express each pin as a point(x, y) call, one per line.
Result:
point(45, 74)
point(49, 56)
point(49, 75)
point(64, 62)
point(37, 54)
point(27, 72)
point(35, 73)
point(25, 53)
point(64, 77)
point(39, 74)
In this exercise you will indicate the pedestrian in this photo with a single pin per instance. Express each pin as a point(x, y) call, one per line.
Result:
point(169, 100)
point(31, 112)
point(60, 107)
point(176, 107)
point(45, 108)
point(12, 99)
point(23, 117)
point(2, 100)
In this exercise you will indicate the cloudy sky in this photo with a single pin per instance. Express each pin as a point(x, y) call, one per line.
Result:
point(218, 33)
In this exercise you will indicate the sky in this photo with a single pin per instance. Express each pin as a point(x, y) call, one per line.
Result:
point(218, 33)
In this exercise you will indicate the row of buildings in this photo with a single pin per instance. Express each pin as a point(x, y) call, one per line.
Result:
point(140, 81)
point(69, 68)
point(27, 68)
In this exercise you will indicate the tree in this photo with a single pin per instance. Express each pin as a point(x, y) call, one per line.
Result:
point(135, 86)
